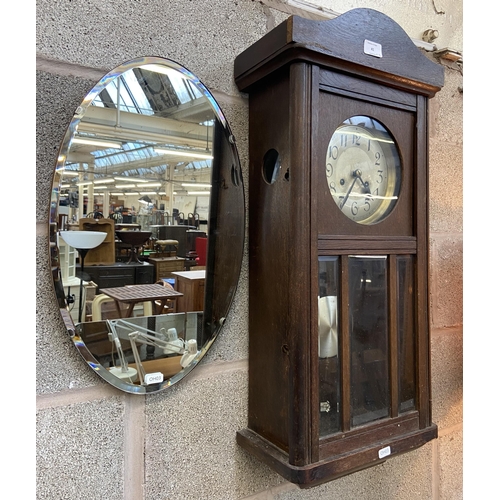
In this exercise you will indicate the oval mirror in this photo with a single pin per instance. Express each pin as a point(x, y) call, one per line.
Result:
point(146, 224)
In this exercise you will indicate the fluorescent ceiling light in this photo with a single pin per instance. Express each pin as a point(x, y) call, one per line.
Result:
point(97, 142)
point(150, 185)
point(196, 185)
point(127, 179)
point(147, 192)
point(67, 172)
point(184, 152)
point(103, 181)
point(84, 183)
point(125, 186)
point(116, 194)
point(207, 193)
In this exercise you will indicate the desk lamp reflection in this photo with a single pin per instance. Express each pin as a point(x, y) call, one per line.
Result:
point(168, 342)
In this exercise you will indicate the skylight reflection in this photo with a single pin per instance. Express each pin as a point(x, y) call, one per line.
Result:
point(136, 90)
point(131, 95)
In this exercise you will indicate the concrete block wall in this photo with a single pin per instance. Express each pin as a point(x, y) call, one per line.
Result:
point(96, 442)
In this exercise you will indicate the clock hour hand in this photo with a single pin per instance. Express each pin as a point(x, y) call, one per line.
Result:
point(357, 176)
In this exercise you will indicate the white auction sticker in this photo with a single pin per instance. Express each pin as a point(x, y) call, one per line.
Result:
point(373, 48)
point(153, 378)
point(384, 452)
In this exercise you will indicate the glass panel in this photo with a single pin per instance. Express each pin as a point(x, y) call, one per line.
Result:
point(406, 333)
point(329, 380)
point(369, 338)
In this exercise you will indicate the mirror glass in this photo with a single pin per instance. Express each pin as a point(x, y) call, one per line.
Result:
point(146, 224)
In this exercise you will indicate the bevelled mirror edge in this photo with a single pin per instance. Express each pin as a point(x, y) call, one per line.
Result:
point(228, 203)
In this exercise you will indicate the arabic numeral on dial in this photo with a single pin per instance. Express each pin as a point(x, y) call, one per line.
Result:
point(356, 139)
point(354, 208)
point(367, 205)
point(329, 169)
point(380, 176)
point(343, 140)
point(332, 187)
point(377, 158)
point(333, 152)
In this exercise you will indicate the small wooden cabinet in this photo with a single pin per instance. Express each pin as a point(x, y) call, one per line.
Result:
point(165, 266)
point(192, 285)
point(105, 252)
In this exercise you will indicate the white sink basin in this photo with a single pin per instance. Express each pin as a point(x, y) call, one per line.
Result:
point(83, 239)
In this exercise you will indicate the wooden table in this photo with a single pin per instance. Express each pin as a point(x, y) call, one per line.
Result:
point(132, 294)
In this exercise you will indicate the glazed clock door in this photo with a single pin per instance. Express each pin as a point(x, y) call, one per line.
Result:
point(363, 174)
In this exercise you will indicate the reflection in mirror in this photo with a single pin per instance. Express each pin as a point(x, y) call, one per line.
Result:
point(148, 164)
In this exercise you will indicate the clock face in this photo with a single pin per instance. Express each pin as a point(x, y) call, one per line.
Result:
point(363, 170)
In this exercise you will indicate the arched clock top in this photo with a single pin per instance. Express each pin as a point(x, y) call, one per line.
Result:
point(364, 41)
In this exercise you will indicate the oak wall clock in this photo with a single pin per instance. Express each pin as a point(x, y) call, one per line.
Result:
point(339, 370)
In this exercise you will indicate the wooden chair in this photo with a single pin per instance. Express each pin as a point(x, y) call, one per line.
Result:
point(170, 305)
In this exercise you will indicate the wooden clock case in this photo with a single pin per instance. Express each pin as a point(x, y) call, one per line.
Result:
point(303, 79)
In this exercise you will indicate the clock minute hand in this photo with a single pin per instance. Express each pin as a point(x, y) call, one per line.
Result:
point(348, 193)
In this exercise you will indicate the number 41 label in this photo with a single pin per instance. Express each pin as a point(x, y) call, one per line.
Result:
point(373, 48)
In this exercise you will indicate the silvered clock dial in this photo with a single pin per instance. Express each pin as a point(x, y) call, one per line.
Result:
point(363, 170)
